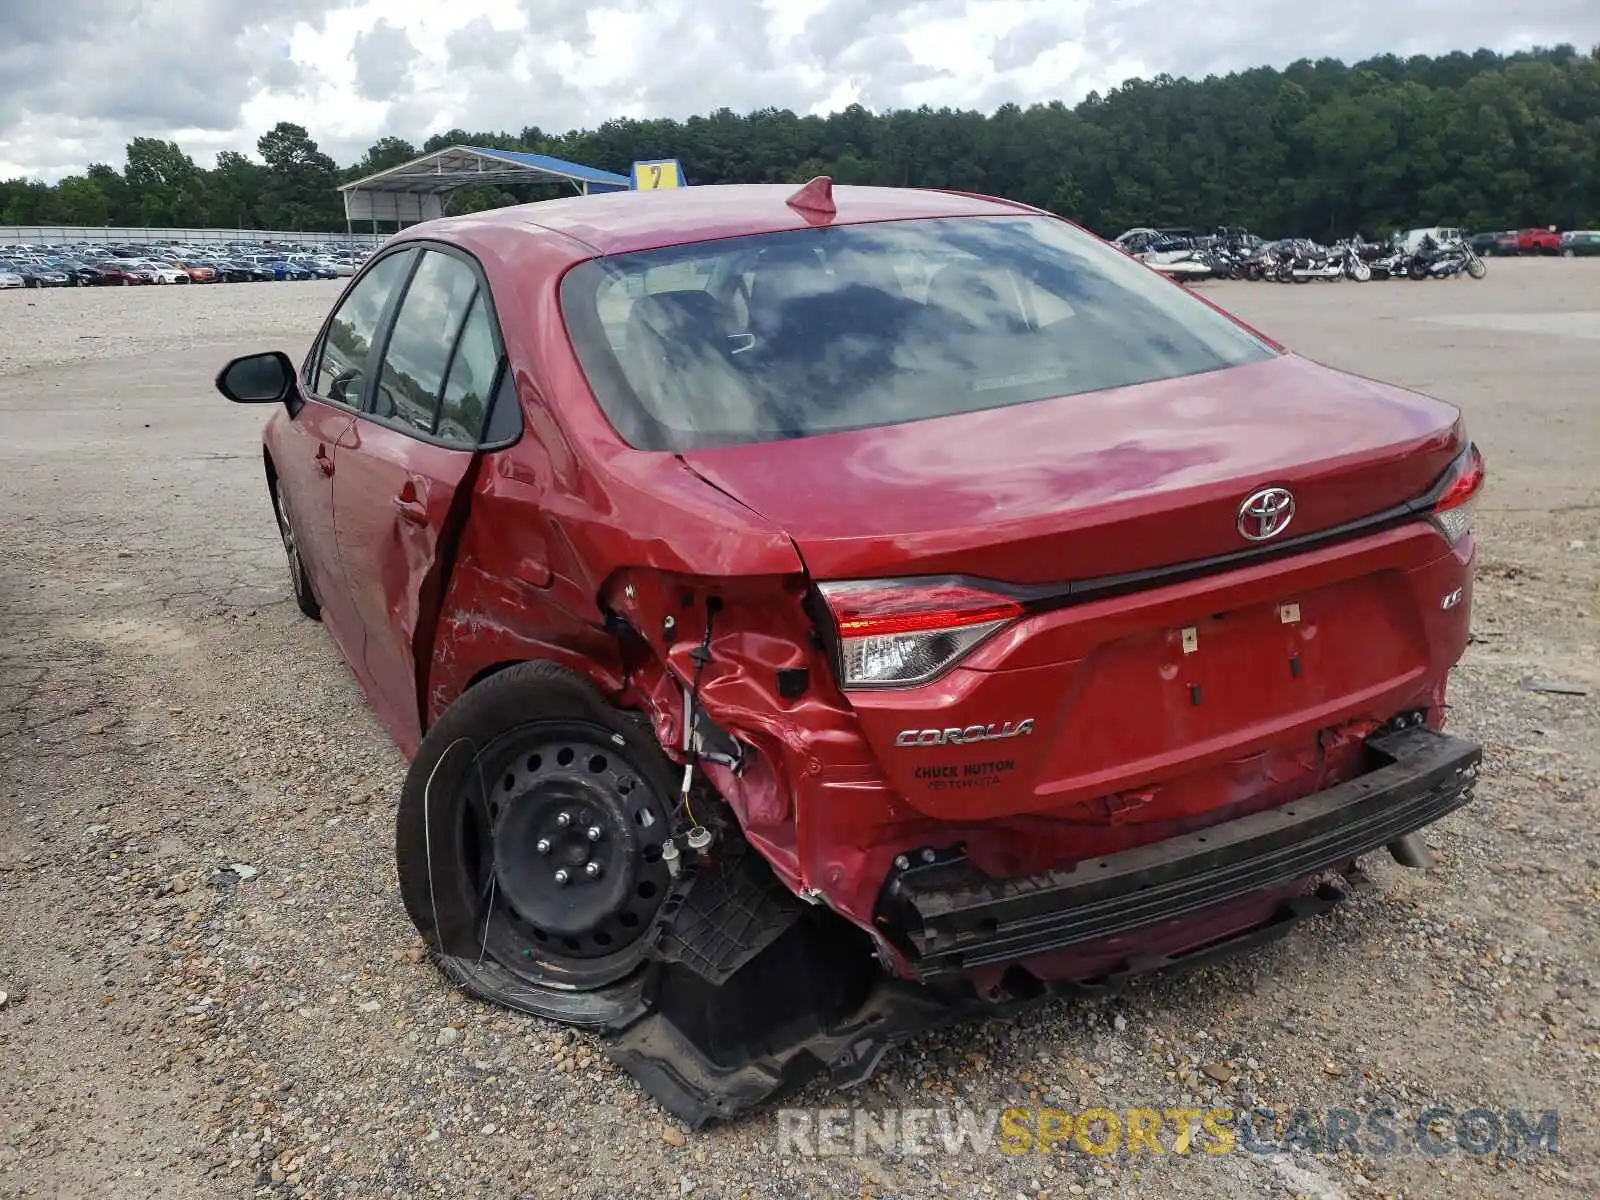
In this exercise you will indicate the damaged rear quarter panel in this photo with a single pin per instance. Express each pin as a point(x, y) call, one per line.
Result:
point(758, 628)
point(569, 505)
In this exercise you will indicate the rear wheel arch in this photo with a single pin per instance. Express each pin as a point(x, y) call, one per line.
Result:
point(442, 693)
point(493, 669)
point(599, 679)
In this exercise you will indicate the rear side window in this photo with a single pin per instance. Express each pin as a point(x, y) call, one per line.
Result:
point(817, 331)
point(341, 367)
point(467, 388)
point(436, 304)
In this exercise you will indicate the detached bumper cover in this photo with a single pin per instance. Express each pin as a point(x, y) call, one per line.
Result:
point(951, 920)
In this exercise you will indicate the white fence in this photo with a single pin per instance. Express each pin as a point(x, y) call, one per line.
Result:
point(56, 235)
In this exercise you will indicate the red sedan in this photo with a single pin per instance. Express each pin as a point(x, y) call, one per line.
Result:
point(781, 596)
point(111, 271)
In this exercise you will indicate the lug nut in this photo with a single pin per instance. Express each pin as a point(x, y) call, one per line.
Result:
point(592, 870)
point(563, 819)
point(562, 876)
point(542, 845)
point(928, 856)
point(594, 833)
point(901, 862)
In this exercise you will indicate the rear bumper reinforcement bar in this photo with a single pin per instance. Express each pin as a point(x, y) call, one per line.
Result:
point(951, 919)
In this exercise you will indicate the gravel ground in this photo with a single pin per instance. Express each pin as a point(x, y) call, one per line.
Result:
point(210, 987)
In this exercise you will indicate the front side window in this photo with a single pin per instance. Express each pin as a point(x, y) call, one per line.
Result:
point(340, 373)
point(816, 331)
point(414, 364)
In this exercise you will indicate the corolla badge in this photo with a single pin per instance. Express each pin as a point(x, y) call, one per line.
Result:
point(1265, 514)
point(963, 737)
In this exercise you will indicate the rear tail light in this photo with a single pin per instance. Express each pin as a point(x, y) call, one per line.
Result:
point(897, 633)
point(1453, 511)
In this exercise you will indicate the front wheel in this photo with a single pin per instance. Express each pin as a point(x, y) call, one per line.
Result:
point(1568, 253)
point(304, 597)
point(529, 841)
point(1476, 268)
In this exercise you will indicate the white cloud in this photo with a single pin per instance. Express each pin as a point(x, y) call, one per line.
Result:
point(79, 78)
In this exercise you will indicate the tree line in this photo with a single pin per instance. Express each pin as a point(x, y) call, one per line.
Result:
point(1319, 149)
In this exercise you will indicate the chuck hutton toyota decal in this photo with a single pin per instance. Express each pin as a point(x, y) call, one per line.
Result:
point(964, 737)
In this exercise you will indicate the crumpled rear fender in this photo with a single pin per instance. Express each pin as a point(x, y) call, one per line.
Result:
point(765, 682)
point(542, 536)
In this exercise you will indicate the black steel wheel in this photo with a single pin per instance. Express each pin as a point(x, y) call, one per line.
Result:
point(528, 844)
point(563, 846)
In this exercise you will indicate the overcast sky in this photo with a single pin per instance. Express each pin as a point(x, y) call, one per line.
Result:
point(78, 78)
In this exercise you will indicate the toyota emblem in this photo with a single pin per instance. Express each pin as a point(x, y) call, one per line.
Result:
point(1265, 514)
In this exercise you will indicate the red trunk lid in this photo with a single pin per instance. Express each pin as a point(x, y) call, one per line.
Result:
point(1184, 700)
point(1093, 485)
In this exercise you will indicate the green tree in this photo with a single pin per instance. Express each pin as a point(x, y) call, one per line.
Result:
point(384, 153)
point(165, 180)
point(1320, 148)
point(302, 182)
point(80, 201)
point(121, 202)
point(233, 192)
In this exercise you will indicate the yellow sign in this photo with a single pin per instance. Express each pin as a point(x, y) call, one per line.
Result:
point(656, 174)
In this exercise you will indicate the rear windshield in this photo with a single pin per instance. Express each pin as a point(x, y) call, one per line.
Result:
point(816, 331)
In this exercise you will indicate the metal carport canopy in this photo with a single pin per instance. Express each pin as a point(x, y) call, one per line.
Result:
point(415, 191)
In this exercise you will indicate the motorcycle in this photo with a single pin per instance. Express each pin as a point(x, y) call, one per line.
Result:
point(1354, 266)
point(1385, 262)
point(1434, 260)
point(1307, 261)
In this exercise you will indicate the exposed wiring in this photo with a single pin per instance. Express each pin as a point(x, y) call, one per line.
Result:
point(494, 879)
point(701, 655)
point(427, 832)
point(483, 944)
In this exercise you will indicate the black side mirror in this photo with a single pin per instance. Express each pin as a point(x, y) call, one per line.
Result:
point(267, 378)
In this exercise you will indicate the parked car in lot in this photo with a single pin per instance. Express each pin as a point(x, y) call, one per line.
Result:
point(1538, 241)
point(198, 272)
point(228, 271)
point(35, 275)
point(281, 269)
point(239, 270)
point(1578, 242)
point(10, 279)
point(163, 272)
point(116, 271)
point(79, 274)
point(766, 639)
point(313, 266)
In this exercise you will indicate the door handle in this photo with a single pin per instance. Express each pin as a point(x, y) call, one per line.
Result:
point(324, 463)
point(410, 504)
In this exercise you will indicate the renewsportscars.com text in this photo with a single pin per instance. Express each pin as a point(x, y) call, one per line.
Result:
point(1378, 1132)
